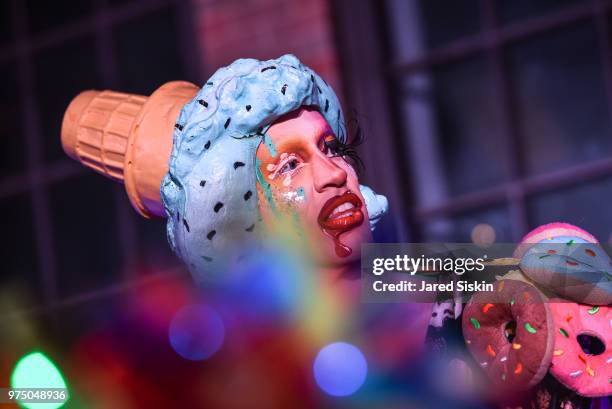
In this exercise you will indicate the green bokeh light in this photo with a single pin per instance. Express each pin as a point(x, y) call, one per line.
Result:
point(35, 370)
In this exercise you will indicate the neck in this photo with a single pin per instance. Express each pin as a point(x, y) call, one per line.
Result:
point(345, 279)
point(350, 271)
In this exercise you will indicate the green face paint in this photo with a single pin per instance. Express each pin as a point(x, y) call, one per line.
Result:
point(265, 186)
point(297, 224)
point(270, 145)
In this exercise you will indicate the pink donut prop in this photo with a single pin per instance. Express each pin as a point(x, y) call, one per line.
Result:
point(568, 261)
point(550, 231)
point(582, 356)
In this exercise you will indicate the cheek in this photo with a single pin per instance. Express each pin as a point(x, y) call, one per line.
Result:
point(286, 194)
point(293, 197)
point(290, 193)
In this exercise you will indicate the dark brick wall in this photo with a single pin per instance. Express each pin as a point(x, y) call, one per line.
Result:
point(264, 29)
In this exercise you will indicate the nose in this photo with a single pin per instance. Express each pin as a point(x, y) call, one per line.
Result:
point(327, 174)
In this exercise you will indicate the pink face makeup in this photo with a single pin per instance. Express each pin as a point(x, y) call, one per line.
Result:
point(308, 178)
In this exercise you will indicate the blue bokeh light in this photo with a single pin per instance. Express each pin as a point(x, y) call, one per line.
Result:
point(267, 285)
point(196, 332)
point(340, 369)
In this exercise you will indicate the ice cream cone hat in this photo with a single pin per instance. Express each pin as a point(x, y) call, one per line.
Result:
point(127, 138)
point(189, 154)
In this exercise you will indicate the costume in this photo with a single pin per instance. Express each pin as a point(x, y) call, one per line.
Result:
point(190, 155)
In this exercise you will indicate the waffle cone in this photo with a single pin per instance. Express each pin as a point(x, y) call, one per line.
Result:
point(127, 137)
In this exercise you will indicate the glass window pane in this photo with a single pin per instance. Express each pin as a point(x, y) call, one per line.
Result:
point(86, 237)
point(62, 73)
point(563, 115)
point(448, 20)
point(45, 15)
point(459, 228)
point(19, 274)
point(13, 155)
point(516, 10)
point(86, 317)
point(120, 2)
point(419, 25)
point(469, 126)
point(148, 53)
point(6, 22)
point(453, 128)
point(585, 205)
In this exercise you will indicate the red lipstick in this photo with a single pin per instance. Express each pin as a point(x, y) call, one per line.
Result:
point(338, 215)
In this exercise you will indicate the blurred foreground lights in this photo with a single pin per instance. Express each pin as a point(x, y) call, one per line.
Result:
point(267, 284)
point(340, 369)
point(483, 235)
point(35, 370)
point(456, 380)
point(196, 332)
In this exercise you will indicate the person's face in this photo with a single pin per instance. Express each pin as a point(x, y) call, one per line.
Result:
point(304, 178)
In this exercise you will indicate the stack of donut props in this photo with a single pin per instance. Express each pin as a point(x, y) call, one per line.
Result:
point(516, 335)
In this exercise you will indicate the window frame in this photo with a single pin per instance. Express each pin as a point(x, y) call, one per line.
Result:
point(38, 175)
point(372, 17)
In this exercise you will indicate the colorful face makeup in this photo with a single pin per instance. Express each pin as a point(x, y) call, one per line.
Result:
point(304, 176)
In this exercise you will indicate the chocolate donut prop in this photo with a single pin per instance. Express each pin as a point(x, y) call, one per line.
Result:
point(509, 334)
point(582, 357)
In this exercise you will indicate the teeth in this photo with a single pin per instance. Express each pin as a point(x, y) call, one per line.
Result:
point(343, 208)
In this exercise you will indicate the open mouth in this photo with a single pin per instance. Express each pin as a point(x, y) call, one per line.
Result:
point(341, 213)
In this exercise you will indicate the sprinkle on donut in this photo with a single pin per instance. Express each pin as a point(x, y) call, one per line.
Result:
point(510, 333)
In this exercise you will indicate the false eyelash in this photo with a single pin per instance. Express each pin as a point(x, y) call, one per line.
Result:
point(348, 150)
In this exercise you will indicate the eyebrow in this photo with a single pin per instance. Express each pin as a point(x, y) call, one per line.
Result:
point(298, 144)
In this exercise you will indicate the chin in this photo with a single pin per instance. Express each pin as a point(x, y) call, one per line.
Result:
point(352, 239)
point(342, 227)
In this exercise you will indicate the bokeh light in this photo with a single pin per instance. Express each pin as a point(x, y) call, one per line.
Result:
point(196, 332)
point(483, 235)
point(35, 370)
point(268, 284)
point(340, 369)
